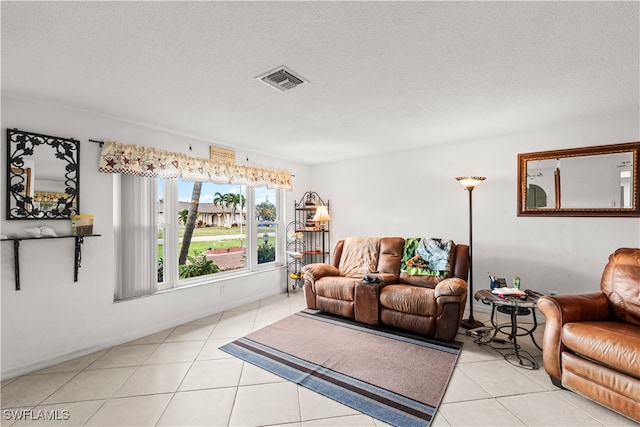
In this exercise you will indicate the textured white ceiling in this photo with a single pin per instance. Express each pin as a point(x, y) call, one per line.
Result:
point(383, 75)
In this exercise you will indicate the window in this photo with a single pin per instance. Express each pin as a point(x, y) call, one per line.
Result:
point(266, 215)
point(160, 232)
point(202, 230)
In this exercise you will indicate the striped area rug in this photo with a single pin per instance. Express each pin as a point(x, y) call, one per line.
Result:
point(397, 378)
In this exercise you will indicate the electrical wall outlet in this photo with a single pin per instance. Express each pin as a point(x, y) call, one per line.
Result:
point(222, 288)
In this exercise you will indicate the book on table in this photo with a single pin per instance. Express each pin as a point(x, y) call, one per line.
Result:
point(508, 291)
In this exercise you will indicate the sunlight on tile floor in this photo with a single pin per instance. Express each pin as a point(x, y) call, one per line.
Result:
point(178, 377)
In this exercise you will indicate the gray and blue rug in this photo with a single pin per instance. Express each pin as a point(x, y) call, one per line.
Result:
point(395, 377)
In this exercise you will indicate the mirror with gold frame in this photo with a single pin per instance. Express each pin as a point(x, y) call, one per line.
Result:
point(588, 181)
point(43, 176)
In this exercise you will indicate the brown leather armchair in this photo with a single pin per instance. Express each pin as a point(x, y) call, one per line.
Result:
point(591, 342)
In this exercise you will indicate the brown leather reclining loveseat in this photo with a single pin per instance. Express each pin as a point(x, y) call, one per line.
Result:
point(428, 305)
point(591, 342)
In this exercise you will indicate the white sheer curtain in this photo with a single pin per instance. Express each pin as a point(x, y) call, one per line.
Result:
point(136, 237)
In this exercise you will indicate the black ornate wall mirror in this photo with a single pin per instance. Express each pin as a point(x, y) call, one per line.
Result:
point(589, 181)
point(43, 176)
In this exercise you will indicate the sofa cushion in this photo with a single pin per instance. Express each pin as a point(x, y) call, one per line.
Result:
point(409, 299)
point(603, 385)
point(613, 344)
point(390, 255)
point(336, 287)
point(341, 308)
point(424, 325)
point(621, 284)
point(422, 281)
point(359, 256)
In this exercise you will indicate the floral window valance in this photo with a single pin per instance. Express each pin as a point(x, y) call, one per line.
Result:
point(151, 162)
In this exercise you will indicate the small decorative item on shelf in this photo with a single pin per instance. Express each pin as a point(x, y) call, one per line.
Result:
point(82, 225)
point(34, 231)
point(310, 224)
point(42, 231)
point(294, 235)
point(321, 217)
point(296, 275)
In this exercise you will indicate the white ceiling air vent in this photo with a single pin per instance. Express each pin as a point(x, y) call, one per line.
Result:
point(282, 79)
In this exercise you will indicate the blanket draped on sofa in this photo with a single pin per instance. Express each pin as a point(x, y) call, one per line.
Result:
point(359, 256)
point(427, 257)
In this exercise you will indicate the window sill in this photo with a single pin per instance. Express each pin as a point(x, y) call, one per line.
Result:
point(192, 283)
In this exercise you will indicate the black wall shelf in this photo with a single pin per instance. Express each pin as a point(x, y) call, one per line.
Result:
point(79, 240)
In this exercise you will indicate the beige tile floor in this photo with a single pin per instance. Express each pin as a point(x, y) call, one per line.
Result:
point(178, 377)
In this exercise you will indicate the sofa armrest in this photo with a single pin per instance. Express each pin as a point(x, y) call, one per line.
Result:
point(562, 309)
point(452, 286)
point(313, 272)
point(367, 302)
point(451, 297)
point(575, 308)
point(451, 291)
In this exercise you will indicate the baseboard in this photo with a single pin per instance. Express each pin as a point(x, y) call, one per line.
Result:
point(121, 339)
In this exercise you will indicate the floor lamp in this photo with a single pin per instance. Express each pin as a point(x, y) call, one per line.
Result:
point(469, 182)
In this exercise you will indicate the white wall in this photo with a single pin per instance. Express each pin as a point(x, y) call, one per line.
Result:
point(414, 194)
point(52, 318)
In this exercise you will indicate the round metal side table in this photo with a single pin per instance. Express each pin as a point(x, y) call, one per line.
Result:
point(513, 307)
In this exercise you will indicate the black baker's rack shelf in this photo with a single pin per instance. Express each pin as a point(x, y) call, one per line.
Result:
point(79, 240)
point(308, 241)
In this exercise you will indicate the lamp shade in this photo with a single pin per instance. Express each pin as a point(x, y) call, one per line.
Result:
point(322, 214)
point(470, 181)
